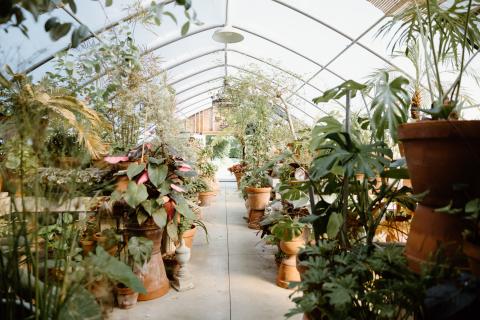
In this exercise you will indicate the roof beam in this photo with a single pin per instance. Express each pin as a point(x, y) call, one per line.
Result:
point(343, 35)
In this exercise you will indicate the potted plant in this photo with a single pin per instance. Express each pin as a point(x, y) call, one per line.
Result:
point(256, 187)
point(439, 149)
point(290, 233)
point(205, 194)
point(138, 252)
point(154, 200)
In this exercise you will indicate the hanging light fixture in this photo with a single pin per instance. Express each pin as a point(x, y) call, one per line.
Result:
point(227, 34)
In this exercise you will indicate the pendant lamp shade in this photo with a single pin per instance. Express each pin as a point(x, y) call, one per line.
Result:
point(227, 34)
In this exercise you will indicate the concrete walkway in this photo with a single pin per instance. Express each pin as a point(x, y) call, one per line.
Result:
point(234, 273)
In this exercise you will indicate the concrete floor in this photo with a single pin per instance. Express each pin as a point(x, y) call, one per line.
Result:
point(234, 274)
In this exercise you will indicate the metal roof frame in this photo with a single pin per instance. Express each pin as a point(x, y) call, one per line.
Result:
point(258, 34)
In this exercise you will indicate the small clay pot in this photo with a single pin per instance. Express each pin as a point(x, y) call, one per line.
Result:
point(126, 297)
point(288, 271)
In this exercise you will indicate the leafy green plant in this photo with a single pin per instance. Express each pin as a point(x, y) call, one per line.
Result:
point(287, 228)
point(139, 252)
point(360, 283)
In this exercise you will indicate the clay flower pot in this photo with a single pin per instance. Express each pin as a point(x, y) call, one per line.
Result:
point(258, 198)
point(206, 198)
point(288, 271)
point(126, 297)
point(155, 279)
point(440, 155)
point(189, 235)
point(472, 251)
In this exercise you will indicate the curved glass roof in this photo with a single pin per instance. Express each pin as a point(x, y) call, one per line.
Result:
point(316, 44)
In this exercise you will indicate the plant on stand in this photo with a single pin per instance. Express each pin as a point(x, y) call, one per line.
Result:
point(152, 201)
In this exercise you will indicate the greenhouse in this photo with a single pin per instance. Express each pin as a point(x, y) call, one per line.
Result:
point(240, 159)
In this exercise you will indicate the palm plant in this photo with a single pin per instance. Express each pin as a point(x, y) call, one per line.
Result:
point(29, 109)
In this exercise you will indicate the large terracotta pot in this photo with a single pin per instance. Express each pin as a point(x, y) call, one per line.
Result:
point(472, 251)
point(431, 230)
point(155, 281)
point(206, 198)
point(189, 235)
point(288, 268)
point(258, 198)
point(441, 156)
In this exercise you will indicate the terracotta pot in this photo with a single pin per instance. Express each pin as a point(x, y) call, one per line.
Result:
point(87, 246)
point(206, 198)
point(126, 297)
point(441, 155)
point(431, 231)
point(288, 268)
point(258, 198)
point(254, 218)
point(155, 281)
point(189, 235)
point(472, 251)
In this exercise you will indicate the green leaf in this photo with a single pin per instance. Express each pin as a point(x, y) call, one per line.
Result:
point(183, 208)
point(80, 305)
point(157, 174)
point(114, 269)
point(148, 206)
point(156, 160)
point(160, 217)
point(134, 170)
point(334, 224)
point(340, 91)
point(185, 28)
point(135, 194)
point(108, 3)
point(141, 217)
point(59, 30)
point(167, 13)
point(50, 23)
